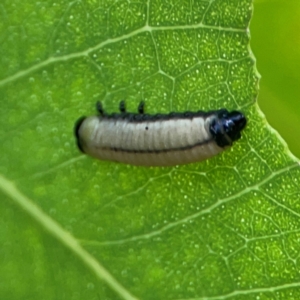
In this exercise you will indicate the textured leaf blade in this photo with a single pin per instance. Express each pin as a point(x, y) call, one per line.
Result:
point(224, 228)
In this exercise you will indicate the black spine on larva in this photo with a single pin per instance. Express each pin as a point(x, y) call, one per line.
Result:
point(227, 127)
point(141, 108)
point(76, 132)
point(142, 117)
point(138, 118)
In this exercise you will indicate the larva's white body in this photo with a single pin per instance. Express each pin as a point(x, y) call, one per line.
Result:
point(149, 143)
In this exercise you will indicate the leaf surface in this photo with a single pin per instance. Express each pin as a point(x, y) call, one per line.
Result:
point(76, 228)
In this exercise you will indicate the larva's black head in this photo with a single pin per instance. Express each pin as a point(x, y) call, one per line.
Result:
point(227, 127)
point(76, 132)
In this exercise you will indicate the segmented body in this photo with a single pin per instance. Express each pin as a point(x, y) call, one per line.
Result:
point(157, 140)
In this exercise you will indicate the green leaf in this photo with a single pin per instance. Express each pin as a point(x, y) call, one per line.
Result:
point(76, 228)
point(279, 63)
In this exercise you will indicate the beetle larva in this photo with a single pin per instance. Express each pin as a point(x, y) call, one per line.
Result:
point(158, 140)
